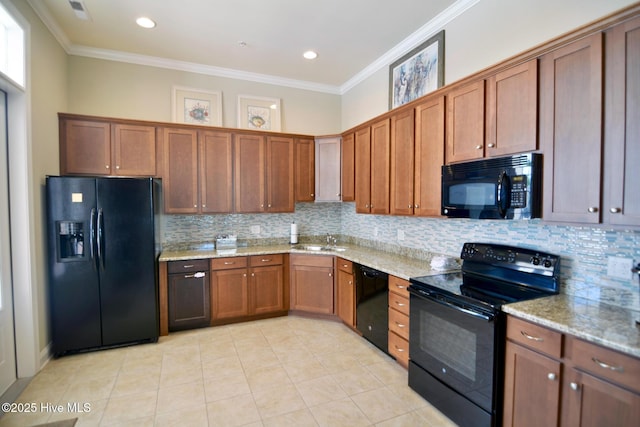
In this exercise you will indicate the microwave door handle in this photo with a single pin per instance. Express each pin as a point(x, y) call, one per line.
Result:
point(504, 193)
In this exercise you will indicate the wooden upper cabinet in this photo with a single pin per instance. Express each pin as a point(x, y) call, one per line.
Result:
point(328, 169)
point(571, 130)
point(348, 168)
point(216, 172)
point(429, 156)
point(512, 110)
point(622, 124)
point(280, 174)
point(465, 122)
point(402, 163)
point(249, 182)
point(180, 175)
point(107, 148)
point(380, 166)
point(305, 170)
point(362, 147)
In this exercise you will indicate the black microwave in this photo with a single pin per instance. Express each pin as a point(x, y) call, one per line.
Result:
point(497, 188)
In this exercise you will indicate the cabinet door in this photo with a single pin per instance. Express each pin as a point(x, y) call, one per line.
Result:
point(328, 169)
point(594, 402)
point(363, 170)
point(180, 176)
point(305, 166)
point(512, 110)
point(622, 124)
point(85, 147)
point(266, 289)
point(134, 150)
point(532, 388)
point(345, 298)
point(380, 166)
point(230, 293)
point(571, 129)
point(402, 163)
point(280, 174)
point(429, 157)
point(465, 123)
point(312, 289)
point(348, 168)
point(249, 178)
point(216, 172)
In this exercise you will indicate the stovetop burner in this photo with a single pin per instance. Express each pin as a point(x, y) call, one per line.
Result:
point(497, 275)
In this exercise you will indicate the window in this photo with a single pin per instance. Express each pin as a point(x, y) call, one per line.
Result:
point(12, 48)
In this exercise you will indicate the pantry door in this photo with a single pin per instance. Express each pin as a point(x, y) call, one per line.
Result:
point(7, 338)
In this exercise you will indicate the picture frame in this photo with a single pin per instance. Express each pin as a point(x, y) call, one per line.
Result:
point(418, 72)
point(196, 106)
point(259, 113)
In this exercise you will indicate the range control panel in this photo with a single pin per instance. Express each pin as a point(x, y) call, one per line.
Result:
point(514, 258)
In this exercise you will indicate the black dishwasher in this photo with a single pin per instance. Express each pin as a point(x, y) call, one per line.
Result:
point(372, 312)
point(189, 294)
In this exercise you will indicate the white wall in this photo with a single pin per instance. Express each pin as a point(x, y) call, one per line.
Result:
point(486, 34)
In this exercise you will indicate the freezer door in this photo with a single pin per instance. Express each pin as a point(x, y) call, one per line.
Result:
point(73, 285)
point(127, 265)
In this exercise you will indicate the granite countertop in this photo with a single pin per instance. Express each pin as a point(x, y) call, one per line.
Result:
point(608, 325)
point(597, 322)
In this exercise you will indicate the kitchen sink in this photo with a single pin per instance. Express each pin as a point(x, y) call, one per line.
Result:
point(324, 248)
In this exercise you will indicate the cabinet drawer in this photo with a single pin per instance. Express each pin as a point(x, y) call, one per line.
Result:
point(534, 336)
point(605, 363)
point(228, 263)
point(261, 260)
point(399, 348)
point(399, 286)
point(312, 260)
point(185, 266)
point(345, 265)
point(399, 323)
point(398, 302)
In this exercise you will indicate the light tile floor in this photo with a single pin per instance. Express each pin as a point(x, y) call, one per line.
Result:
point(287, 371)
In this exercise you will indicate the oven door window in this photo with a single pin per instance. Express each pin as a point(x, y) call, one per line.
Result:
point(455, 347)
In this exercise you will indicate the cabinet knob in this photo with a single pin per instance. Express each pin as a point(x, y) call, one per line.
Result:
point(262, 205)
point(330, 275)
point(195, 206)
point(551, 376)
point(479, 147)
point(574, 386)
point(491, 145)
point(204, 206)
point(117, 166)
point(244, 275)
point(409, 206)
point(351, 282)
point(417, 206)
point(367, 205)
point(593, 209)
point(313, 195)
point(106, 166)
point(269, 205)
point(615, 210)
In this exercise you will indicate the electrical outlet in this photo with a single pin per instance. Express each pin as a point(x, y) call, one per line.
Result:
point(619, 267)
point(255, 229)
point(400, 234)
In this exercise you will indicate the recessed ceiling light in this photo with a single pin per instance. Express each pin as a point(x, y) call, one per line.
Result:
point(145, 22)
point(310, 54)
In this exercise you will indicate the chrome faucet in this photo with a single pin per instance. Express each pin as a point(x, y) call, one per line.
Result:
point(331, 241)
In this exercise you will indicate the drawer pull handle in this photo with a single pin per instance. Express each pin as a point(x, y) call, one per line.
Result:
point(400, 325)
point(187, 266)
point(399, 304)
point(399, 286)
point(607, 366)
point(265, 259)
point(531, 337)
point(229, 262)
point(401, 350)
point(344, 265)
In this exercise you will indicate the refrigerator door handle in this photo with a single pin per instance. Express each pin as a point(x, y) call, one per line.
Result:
point(100, 237)
point(92, 235)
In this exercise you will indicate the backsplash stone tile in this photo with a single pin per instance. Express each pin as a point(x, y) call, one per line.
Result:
point(584, 250)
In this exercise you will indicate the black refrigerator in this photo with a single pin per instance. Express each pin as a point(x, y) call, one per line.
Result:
point(103, 249)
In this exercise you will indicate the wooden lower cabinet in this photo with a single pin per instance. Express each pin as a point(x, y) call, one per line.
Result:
point(312, 285)
point(556, 379)
point(247, 286)
point(346, 293)
point(398, 345)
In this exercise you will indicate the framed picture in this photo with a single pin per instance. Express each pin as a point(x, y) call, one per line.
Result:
point(258, 113)
point(418, 72)
point(196, 106)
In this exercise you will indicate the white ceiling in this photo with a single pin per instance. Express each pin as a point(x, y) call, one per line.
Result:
point(353, 38)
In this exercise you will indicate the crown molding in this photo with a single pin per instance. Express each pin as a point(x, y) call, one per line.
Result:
point(423, 33)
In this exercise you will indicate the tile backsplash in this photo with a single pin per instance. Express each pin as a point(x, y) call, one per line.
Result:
point(584, 250)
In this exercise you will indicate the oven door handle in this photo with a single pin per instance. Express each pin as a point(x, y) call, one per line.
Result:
point(482, 315)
